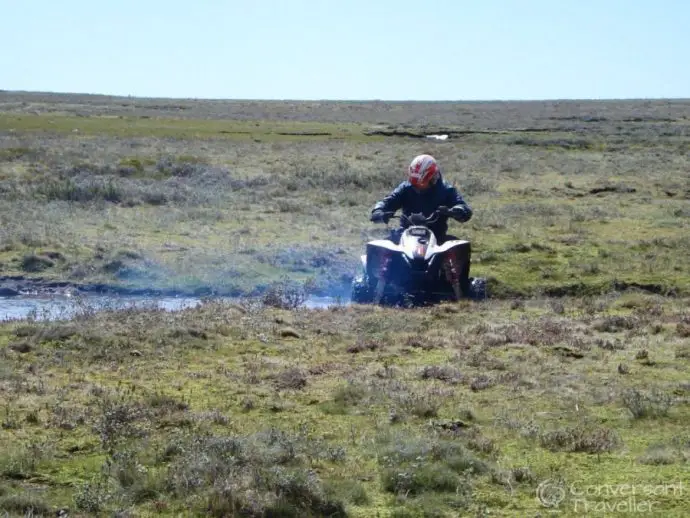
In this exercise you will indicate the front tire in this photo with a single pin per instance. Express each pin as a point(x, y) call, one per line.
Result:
point(478, 289)
point(362, 293)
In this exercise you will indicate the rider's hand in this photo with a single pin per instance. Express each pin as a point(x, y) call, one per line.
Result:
point(379, 216)
point(458, 213)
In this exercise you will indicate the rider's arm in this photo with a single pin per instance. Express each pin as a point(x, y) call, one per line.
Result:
point(392, 201)
point(459, 209)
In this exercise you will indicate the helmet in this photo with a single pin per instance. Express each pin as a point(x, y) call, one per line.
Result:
point(423, 172)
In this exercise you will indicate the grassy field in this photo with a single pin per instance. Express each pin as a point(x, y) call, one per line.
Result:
point(571, 385)
point(564, 204)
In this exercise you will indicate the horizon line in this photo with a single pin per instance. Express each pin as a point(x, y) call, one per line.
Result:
point(332, 100)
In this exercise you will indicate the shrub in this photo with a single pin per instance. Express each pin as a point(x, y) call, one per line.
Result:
point(643, 405)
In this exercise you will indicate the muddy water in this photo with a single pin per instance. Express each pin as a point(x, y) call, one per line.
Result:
point(63, 307)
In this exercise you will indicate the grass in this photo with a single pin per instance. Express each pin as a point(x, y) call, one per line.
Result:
point(214, 212)
point(137, 127)
point(216, 409)
point(574, 377)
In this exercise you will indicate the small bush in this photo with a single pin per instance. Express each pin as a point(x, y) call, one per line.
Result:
point(421, 469)
point(291, 379)
point(415, 480)
point(349, 490)
point(580, 439)
point(119, 420)
point(616, 324)
point(683, 352)
point(165, 403)
point(523, 475)
point(350, 394)
point(19, 465)
point(87, 191)
point(25, 504)
point(683, 329)
point(35, 263)
point(644, 405)
point(424, 405)
point(481, 382)
point(286, 295)
point(260, 475)
point(441, 372)
point(94, 495)
point(658, 456)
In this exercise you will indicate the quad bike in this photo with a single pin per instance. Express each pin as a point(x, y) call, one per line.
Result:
point(418, 270)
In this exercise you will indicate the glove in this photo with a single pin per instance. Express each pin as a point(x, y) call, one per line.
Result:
point(378, 216)
point(443, 210)
point(459, 213)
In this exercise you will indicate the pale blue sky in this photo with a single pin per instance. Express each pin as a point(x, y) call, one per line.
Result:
point(357, 49)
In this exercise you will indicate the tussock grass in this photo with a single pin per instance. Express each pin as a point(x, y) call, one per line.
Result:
point(214, 410)
point(237, 211)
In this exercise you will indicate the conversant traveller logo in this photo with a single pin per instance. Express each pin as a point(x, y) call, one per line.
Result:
point(607, 498)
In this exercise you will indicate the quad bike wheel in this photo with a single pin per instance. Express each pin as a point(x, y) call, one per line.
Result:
point(361, 291)
point(478, 289)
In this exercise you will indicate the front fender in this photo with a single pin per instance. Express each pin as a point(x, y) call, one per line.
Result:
point(384, 243)
point(448, 245)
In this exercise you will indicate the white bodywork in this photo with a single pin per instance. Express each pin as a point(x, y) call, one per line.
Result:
point(412, 249)
point(409, 243)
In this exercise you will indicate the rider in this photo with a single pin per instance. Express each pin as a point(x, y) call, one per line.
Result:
point(425, 192)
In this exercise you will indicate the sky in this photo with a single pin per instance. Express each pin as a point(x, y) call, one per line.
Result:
point(349, 49)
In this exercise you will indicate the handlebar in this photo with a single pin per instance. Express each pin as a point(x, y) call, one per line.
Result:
point(417, 218)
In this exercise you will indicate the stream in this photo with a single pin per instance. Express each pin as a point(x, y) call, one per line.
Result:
point(62, 307)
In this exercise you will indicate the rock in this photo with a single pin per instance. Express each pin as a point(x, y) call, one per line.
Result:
point(136, 353)
point(289, 332)
point(8, 292)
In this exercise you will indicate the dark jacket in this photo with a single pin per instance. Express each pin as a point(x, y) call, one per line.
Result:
point(405, 197)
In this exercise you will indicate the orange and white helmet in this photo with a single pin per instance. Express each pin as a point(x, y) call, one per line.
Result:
point(423, 172)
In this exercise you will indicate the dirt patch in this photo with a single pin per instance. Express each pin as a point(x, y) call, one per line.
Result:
point(452, 133)
point(305, 133)
point(584, 289)
point(621, 189)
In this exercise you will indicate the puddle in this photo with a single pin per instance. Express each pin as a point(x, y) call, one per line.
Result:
point(63, 307)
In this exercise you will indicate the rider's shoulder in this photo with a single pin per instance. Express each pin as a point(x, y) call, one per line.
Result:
point(447, 186)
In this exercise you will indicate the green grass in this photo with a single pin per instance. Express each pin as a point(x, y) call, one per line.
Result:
point(137, 126)
point(212, 212)
point(460, 409)
point(184, 411)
